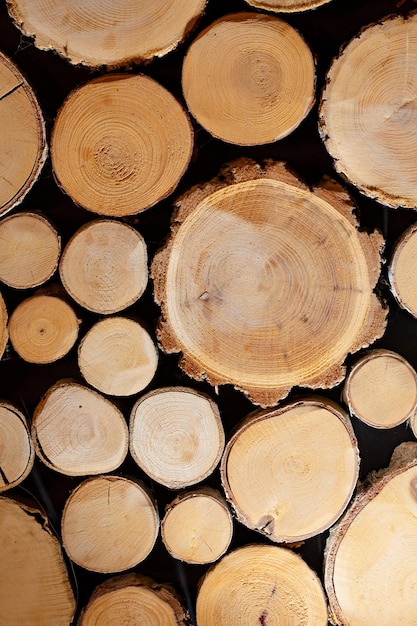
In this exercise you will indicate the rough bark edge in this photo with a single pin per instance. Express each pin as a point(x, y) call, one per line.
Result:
point(216, 414)
point(84, 227)
point(370, 354)
point(259, 415)
point(208, 492)
point(398, 246)
point(163, 590)
point(43, 44)
point(42, 142)
point(39, 408)
point(243, 170)
point(109, 78)
point(31, 459)
point(403, 458)
point(296, 8)
point(387, 199)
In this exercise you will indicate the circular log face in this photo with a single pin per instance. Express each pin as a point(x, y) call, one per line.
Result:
point(286, 6)
point(402, 273)
point(249, 79)
point(109, 524)
point(265, 285)
point(29, 251)
point(16, 451)
point(23, 146)
point(176, 436)
point(261, 584)
point(104, 32)
point(4, 333)
point(120, 144)
point(279, 470)
point(370, 122)
point(104, 266)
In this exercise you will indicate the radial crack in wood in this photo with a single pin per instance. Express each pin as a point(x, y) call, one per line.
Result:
point(107, 33)
point(370, 122)
point(16, 450)
point(249, 79)
point(265, 284)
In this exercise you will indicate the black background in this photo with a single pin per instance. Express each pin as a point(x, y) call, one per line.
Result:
point(325, 29)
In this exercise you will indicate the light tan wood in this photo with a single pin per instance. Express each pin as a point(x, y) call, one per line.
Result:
point(279, 472)
point(23, 148)
point(261, 584)
point(197, 526)
point(286, 6)
point(118, 357)
point(265, 284)
point(43, 328)
point(176, 436)
point(29, 250)
point(249, 78)
point(77, 432)
point(134, 600)
point(16, 450)
point(104, 266)
point(34, 584)
point(401, 270)
point(101, 33)
point(370, 556)
point(4, 332)
point(381, 389)
point(120, 144)
point(370, 122)
point(109, 524)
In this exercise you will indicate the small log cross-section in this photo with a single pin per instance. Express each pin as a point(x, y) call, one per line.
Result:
point(4, 332)
point(286, 6)
point(370, 123)
point(23, 147)
point(104, 267)
point(279, 472)
point(371, 555)
point(120, 144)
point(401, 270)
point(43, 328)
point(34, 584)
point(77, 432)
point(109, 524)
point(16, 450)
point(176, 436)
point(249, 78)
point(197, 527)
point(98, 33)
point(261, 584)
point(381, 389)
point(134, 600)
point(265, 284)
point(29, 250)
point(117, 356)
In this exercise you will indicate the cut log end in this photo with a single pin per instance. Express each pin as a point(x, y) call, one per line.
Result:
point(400, 271)
point(16, 450)
point(286, 6)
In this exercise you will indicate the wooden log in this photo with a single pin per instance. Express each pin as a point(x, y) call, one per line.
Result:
point(130, 142)
point(371, 122)
point(34, 584)
point(104, 266)
point(117, 356)
point(197, 527)
point(109, 524)
point(4, 331)
point(16, 450)
point(134, 600)
point(381, 389)
point(176, 436)
point(370, 555)
point(77, 432)
point(278, 469)
point(261, 584)
point(286, 6)
point(265, 284)
point(23, 148)
point(29, 251)
point(43, 328)
point(401, 272)
point(107, 34)
point(249, 79)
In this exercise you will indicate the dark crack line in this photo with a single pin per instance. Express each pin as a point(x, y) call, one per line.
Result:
point(13, 89)
point(4, 477)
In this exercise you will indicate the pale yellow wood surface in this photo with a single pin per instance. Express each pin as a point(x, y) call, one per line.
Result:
point(16, 450)
point(286, 6)
point(401, 270)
